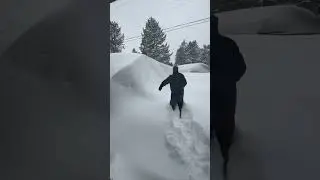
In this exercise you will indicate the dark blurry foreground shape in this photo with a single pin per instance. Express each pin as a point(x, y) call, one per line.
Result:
point(227, 68)
point(54, 86)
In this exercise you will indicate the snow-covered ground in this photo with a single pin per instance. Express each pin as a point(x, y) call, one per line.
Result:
point(148, 140)
point(277, 112)
point(277, 116)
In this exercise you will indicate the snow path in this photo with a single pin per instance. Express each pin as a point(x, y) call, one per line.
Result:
point(187, 141)
point(148, 139)
point(171, 146)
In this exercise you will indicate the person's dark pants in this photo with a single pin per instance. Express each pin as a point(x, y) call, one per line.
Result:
point(177, 99)
point(223, 117)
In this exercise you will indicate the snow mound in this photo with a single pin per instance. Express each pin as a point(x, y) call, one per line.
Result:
point(138, 72)
point(282, 19)
point(121, 60)
point(194, 68)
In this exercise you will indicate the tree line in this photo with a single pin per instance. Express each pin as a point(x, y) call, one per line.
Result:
point(190, 52)
point(153, 44)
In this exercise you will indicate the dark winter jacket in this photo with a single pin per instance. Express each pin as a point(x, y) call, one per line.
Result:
point(177, 82)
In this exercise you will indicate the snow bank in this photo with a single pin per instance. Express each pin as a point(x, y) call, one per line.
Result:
point(194, 68)
point(120, 60)
point(284, 19)
point(140, 73)
point(147, 139)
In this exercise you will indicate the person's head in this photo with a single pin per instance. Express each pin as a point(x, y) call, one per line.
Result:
point(215, 25)
point(175, 69)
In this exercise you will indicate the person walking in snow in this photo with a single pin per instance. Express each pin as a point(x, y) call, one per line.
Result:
point(227, 68)
point(177, 83)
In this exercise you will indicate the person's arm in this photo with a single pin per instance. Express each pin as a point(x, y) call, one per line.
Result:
point(164, 83)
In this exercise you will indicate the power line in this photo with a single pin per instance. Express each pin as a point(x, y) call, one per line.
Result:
point(173, 28)
point(140, 37)
point(187, 26)
point(134, 37)
point(188, 23)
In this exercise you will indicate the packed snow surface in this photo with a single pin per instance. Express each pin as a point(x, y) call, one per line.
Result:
point(148, 139)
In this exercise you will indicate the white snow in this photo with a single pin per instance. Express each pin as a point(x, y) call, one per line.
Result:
point(122, 59)
point(277, 113)
point(194, 67)
point(148, 140)
point(282, 19)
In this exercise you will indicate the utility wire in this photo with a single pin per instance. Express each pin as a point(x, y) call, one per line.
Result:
point(140, 37)
point(173, 28)
point(204, 19)
point(208, 18)
point(187, 26)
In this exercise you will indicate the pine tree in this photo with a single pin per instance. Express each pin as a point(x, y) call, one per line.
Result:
point(181, 56)
point(193, 52)
point(153, 42)
point(116, 38)
point(134, 50)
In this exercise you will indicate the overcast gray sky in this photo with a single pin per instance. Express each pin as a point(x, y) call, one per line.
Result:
point(131, 15)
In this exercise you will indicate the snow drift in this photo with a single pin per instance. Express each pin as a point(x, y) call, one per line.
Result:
point(140, 73)
point(194, 68)
point(120, 60)
point(283, 19)
point(148, 141)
